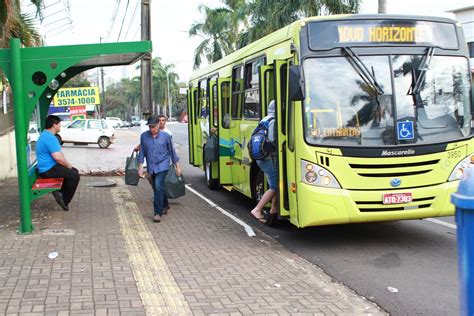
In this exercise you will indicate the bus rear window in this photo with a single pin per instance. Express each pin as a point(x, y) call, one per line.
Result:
point(330, 34)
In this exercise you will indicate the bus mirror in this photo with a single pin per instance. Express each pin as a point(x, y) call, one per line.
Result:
point(295, 87)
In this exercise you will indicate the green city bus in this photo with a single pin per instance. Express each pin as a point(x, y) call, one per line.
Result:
point(373, 117)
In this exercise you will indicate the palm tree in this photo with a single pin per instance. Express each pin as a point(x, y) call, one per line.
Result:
point(219, 30)
point(13, 23)
point(269, 15)
point(162, 76)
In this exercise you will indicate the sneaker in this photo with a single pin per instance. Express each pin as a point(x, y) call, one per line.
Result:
point(165, 210)
point(157, 218)
point(58, 196)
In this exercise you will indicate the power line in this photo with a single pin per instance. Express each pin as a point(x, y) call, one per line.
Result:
point(114, 16)
point(136, 32)
point(131, 19)
point(123, 20)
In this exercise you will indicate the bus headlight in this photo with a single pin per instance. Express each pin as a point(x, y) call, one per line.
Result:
point(315, 175)
point(461, 167)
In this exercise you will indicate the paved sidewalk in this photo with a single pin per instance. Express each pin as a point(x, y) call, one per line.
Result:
point(113, 260)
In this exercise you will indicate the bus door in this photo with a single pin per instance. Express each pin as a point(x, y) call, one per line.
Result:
point(201, 128)
point(286, 149)
point(267, 83)
point(237, 144)
point(211, 167)
point(192, 98)
point(225, 163)
point(266, 86)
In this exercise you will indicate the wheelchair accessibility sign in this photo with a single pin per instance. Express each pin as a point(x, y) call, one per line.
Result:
point(405, 130)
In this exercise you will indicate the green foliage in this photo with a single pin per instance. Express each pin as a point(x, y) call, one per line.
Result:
point(123, 98)
point(13, 23)
point(238, 22)
point(77, 81)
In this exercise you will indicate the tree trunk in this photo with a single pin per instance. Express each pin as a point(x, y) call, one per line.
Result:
point(382, 6)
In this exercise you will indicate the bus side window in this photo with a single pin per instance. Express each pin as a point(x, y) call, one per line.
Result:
point(195, 103)
point(214, 105)
point(225, 104)
point(237, 92)
point(202, 99)
point(252, 107)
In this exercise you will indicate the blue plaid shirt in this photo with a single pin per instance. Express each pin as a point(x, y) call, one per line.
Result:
point(158, 151)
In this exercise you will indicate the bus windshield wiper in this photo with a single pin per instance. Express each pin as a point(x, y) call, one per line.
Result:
point(425, 63)
point(362, 70)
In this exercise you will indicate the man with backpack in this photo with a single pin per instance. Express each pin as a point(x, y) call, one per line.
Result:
point(262, 150)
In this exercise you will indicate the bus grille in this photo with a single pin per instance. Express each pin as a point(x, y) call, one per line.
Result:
point(378, 206)
point(393, 170)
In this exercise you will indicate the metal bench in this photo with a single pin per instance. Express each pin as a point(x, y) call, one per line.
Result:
point(42, 186)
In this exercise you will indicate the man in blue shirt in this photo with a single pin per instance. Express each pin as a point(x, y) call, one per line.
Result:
point(53, 164)
point(157, 147)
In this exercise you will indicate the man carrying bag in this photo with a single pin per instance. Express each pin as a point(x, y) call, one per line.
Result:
point(157, 147)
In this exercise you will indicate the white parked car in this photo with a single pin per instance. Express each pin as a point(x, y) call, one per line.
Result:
point(89, 131)
point(115, 122)
point(64, 116)
point(33, 133)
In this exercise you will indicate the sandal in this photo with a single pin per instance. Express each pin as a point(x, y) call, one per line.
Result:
point(260, 219)
point(270, 218)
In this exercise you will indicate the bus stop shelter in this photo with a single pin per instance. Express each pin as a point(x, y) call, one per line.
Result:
point(35, 75)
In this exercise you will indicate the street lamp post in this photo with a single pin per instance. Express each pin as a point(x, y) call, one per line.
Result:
point(169, 96)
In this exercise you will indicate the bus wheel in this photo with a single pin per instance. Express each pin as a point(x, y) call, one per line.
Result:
point(211, 183)
point(258, 188)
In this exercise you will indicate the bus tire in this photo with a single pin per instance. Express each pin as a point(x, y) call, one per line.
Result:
point(212, 184)
point(258, 186)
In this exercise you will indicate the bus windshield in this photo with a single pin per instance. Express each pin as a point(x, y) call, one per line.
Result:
point(342, 108)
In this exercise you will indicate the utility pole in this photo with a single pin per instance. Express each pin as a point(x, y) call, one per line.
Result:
point(169, 96)
point(145, 67)
point(104, 104)
point(382, 6)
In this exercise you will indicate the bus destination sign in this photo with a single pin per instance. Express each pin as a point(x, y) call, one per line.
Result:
point(384, 34)
point(329, 34)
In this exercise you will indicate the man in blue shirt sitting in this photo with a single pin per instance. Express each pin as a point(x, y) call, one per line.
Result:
point(157, 147)
point(53, 164)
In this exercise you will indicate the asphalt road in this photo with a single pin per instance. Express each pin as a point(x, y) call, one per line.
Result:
point(418, 258)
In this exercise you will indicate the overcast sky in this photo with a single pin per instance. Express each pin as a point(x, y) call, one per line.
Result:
point(171, 20)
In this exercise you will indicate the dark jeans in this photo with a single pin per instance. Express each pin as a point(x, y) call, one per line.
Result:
point(160, 200)
point(70, 180)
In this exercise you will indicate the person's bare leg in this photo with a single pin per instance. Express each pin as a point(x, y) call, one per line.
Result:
point(267, 196)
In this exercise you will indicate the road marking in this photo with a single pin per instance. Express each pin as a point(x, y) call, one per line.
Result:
point(442, 223)
point(158, 289)
point(247, 228)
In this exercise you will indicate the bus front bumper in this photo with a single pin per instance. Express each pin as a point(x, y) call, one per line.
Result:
point(323, 206)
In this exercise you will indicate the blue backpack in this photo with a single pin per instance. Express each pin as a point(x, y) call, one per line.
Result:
point(259, 145)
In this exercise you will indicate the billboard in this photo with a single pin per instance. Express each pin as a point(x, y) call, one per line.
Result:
point(77, 96)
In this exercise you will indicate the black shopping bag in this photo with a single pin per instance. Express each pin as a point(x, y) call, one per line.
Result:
point(131, 170)
point(211, 150)
point(174, 185)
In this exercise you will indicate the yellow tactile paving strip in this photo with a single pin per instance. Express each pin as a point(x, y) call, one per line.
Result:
point(158, 289)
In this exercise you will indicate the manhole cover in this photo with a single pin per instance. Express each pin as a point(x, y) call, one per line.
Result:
point(102, 184)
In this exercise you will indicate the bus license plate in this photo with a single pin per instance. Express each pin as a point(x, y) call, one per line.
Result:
point(397, 198)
